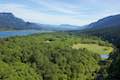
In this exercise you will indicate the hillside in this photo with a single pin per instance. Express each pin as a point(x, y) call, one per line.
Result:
point(49, 56)
point(109, 29)
point(9, 22)
point(110, 21)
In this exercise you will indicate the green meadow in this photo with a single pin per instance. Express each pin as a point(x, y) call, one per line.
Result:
point(94, 48)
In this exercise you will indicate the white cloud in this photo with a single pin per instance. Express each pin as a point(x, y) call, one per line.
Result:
point(58, 6)
point(36, 16)
point(72, 13)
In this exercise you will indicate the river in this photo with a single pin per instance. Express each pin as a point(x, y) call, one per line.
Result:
point(4, 34)
point(104, 56)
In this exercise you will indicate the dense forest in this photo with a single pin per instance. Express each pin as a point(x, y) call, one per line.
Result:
point(49, 56)
point(111, 34)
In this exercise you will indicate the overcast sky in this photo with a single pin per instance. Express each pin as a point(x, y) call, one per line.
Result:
point(75, 12)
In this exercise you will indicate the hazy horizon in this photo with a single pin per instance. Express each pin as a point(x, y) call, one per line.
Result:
point(77, 12)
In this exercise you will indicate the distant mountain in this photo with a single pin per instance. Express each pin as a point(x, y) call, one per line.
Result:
point(65, 27)
point(71, 27)
point(9, 22)
point(108, 25)
point(108, 28)
point(109, 21)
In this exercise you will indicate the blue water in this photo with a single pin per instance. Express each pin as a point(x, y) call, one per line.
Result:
point(104, 56)
point(4, 34)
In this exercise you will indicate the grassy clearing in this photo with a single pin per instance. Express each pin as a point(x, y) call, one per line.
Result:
point(94, 48)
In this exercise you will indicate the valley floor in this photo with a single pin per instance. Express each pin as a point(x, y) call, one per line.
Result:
point(51, 56)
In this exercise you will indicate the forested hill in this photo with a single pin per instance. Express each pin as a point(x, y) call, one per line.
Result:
point(112, 34)
point(109, 29)
point(10, 22)
point(107, 26)
point(110, 21)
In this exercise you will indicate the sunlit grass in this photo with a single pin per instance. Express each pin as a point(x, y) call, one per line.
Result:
point(94, 48)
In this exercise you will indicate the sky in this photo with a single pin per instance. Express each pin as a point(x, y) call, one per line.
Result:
point(74, 12)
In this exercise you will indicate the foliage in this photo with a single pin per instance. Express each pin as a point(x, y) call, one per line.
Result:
point(47, 57)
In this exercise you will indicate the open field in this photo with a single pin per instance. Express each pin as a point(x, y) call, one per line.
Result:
point(94, 48)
